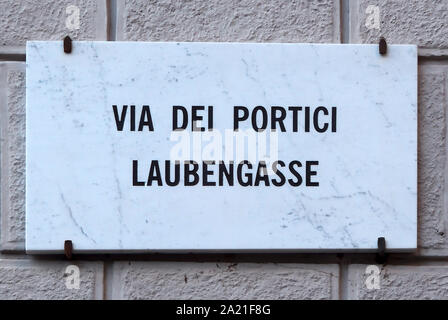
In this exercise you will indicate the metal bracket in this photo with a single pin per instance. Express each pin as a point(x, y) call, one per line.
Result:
point(68, 249)
point(381, 256)
point(67, 44)
point(383, 46)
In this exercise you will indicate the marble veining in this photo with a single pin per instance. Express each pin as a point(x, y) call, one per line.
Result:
point(79, 166)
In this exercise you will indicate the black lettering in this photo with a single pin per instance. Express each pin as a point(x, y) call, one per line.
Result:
point(135, 181)
point(247, 175)
point(206, 173)
point(184, 118)
point(264, 122)
point(316, 119)
point(278, 173)
point(119, 120)
point(145, 119)
point(262, 177)
point(168, 173)
point(310, 173)
point(236, 116)
point(195, 118)
point(132, 118)
point(295, 116)
point(295, 173)
point(154, 174)
point(307, 119)
point(333, 119)
point(210, 118)
point(278, 119)
point(193, 172)
point(227, 173)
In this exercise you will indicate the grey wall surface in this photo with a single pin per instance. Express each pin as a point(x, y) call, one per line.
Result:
point(419, 275)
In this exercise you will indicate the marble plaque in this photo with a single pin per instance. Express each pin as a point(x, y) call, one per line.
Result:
point(147, 147)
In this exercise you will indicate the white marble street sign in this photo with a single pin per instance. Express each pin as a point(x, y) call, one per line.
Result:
point(135, 146)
